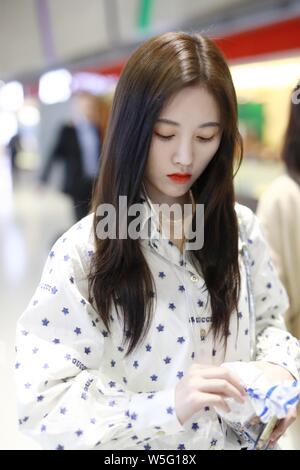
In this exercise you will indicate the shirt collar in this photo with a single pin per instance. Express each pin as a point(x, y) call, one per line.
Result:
point(162, 246)
point(149, 215)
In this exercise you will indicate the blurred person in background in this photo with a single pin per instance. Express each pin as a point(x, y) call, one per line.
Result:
point(78, 146)
point(14, 147)
point(279, 213)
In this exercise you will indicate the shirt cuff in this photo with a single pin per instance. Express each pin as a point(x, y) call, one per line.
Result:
point(281, 360)
point(153, 414)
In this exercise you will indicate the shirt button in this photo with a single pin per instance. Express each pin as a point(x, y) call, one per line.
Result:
point(202, 334)
point(194, 278)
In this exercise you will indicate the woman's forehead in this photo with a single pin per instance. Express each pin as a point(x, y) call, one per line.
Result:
point(190, 102)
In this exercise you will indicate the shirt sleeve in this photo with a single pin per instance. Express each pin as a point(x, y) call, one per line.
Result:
point(64, 399)
point(274, 343)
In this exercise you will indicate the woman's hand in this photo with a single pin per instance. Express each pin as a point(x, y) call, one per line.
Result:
point(276, 374)
point(282, 426)
point(206, 386)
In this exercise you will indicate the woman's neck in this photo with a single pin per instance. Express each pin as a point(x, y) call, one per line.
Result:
point(170, 226)
point(157, 197)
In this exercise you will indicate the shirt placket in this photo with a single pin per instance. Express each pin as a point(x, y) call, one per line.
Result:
point(193, 284)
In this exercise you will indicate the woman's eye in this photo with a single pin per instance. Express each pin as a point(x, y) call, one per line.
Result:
point(205, 139)
point(164, 137)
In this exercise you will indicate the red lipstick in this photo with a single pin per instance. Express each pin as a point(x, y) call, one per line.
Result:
point(180, 177)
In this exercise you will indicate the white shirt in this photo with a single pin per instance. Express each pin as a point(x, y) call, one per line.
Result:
point(75, 388)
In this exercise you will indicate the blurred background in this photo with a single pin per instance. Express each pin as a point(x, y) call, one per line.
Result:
point(59, 64)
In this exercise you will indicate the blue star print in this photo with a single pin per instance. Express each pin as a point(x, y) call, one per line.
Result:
point(79, 395)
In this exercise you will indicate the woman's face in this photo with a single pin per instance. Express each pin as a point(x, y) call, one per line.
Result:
point(186, 136)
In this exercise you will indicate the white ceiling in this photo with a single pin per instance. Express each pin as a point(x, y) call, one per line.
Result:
point(72, 29)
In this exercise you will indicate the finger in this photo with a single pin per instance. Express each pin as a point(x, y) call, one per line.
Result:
point(220, 387)
point(223, 373)
point(283, 424)
point(278, 430)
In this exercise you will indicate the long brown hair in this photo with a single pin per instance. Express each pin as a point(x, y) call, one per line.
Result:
point(291, 144)
point(120, 275)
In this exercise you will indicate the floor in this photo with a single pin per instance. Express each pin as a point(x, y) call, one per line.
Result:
point(31, 218)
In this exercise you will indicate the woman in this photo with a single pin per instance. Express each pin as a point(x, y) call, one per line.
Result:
point(122, 343)
point(279, 213)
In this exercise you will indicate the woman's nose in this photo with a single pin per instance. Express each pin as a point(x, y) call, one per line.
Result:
point(184, 154)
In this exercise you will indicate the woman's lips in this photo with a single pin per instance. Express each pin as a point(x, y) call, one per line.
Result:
point(180, 177)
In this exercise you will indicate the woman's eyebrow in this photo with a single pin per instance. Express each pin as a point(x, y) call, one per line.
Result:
point(174, 123)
